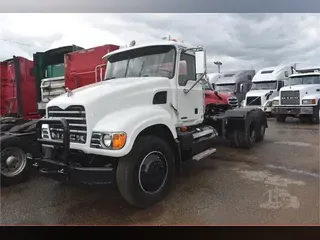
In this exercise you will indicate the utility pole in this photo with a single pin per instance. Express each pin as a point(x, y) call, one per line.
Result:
point(218, 64)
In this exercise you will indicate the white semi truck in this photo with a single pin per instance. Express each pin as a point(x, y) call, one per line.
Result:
point(301, 99)
point(266, 85)
point(135, 128)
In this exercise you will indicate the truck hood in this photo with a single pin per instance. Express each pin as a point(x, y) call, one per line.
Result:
point(256, 93)
point(304, 87)
point(113, 90)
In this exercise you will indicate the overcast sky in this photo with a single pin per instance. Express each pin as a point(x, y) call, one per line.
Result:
point(237, 40)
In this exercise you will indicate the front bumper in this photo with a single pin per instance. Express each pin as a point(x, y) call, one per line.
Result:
point(59, 163)
point(293, 111)
point(63, 172)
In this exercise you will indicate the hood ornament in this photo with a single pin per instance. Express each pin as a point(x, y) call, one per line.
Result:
point(69, 92)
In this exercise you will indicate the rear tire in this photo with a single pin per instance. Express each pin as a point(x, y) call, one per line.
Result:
point(145, 176)
point(261, 125)
point(14, 152)
point(247, 137)
point(281, 118)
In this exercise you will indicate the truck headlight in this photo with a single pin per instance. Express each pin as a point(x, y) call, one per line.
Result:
point(45, 131)
point(275, 102)
point(114, 140)
point(107, 139)
point(268, 104)
point(309, 101)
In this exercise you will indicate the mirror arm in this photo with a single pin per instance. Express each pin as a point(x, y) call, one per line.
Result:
point(196, 82)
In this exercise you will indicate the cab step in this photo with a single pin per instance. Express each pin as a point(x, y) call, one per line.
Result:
point(204, 154)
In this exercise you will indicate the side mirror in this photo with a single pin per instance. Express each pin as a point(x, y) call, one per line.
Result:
point(286, 74)
point(200, 62)
point(241, 88)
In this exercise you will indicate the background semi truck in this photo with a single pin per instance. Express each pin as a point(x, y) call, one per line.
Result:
point(147, 117)
point(266, 85)
point(237, 82)
point(18, 95)
point(301, 99)
point(49, 72)
point(80, 68)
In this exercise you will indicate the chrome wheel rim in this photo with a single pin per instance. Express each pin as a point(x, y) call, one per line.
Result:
point(13, 161)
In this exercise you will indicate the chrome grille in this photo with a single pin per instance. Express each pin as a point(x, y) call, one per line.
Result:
point(76, 117)
point(253, 101)
point(290, 98)
point(95, 140)
point(51, 88)
point(233, 101)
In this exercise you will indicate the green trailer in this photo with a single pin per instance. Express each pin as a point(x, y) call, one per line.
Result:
point(49, 73)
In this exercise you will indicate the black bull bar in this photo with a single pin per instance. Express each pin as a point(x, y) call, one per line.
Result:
point(60, 168)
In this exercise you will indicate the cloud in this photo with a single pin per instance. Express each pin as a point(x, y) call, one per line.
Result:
point(237, 40)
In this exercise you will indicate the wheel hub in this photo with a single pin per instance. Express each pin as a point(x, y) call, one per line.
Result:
point(13, 161)
point(153, 172)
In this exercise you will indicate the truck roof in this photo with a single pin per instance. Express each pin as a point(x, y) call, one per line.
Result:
point(234, 76)
point(271, 73)
point(305, 74)
point(156, 43)
point(306, 67)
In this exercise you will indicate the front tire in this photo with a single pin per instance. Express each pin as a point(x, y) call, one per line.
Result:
point(145, 176)
point(13, 162)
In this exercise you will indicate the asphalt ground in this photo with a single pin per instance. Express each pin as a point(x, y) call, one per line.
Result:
point(276, 182)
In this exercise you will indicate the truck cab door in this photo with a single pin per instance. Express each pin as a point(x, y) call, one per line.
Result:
point(191, 104)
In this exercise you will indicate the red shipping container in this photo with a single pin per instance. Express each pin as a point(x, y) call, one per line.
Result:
point(86, 66)
point(18, 95)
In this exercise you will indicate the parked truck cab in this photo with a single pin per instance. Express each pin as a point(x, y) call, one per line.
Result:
point(301, 99)
point(237, 82)
point(266, 85)
point(135, 128)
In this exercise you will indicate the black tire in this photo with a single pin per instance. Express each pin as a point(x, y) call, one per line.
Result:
point(247, 137)
point(22, 174)
point(129, 167)
point(281, 118)
point(261, 125)
point(233, 139)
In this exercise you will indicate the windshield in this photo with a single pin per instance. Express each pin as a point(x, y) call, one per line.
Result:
point(305, 80)
point(225, 87)
point(155, 61)
point(269, 85)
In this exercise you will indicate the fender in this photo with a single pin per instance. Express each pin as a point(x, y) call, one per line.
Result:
point(133, 121)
